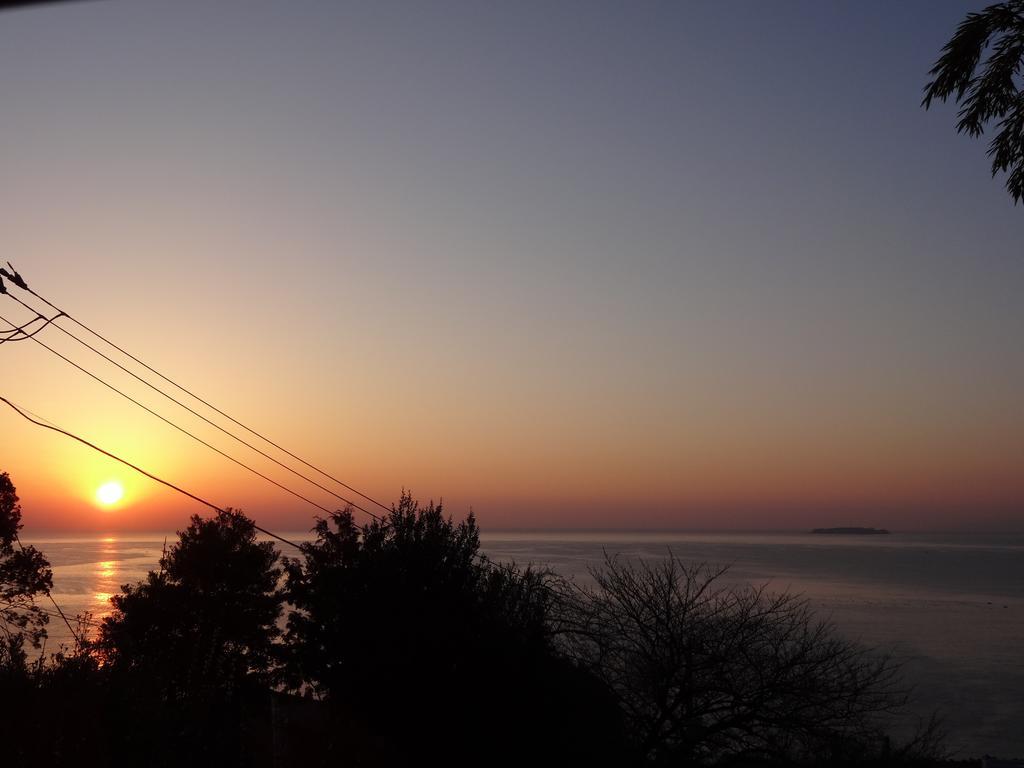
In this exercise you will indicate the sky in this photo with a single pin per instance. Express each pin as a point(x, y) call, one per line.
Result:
point(569, 265)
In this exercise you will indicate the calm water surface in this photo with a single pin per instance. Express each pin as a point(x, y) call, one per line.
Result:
point(950, 606)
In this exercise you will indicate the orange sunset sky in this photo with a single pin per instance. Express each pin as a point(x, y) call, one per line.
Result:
point(512, 259)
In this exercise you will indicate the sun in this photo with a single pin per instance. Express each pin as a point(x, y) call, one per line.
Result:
point(109, 493)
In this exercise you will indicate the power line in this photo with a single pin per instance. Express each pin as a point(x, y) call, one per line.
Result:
point(208, 421)
point(182, 429)
point(138, 469)
point(192, 394)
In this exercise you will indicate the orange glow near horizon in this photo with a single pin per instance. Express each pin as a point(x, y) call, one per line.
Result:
point(710, 470)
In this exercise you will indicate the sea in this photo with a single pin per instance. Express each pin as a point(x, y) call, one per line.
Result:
point(949, 606)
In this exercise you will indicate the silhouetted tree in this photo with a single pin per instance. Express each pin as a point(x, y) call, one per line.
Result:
point(24, 575)
point(189, 652)
point(980, 68)
point(707, 673)
point(434, 654)
point(208, 616)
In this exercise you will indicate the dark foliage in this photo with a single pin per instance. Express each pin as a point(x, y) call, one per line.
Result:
point(70, 711)
point(54, 713)
point(434, 654)
point(208, 617)
point(980, 69)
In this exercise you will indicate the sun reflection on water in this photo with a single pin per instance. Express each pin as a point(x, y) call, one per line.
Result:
point(105, 578)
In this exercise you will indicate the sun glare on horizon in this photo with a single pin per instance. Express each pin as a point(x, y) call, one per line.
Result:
point(110, 493)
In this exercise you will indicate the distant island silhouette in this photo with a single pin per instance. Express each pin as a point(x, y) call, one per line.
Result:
point(851, 530)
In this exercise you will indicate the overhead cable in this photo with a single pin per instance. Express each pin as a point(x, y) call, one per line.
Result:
point(192, 394)
point(208, 421)
point(181, 429)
